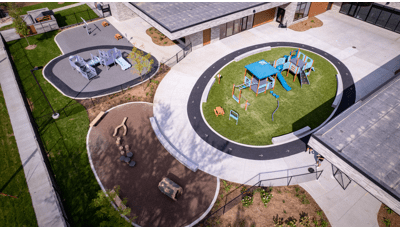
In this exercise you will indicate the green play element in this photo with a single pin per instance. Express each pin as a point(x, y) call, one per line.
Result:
point(300, 107)
point(64, 139)
point(15, 212)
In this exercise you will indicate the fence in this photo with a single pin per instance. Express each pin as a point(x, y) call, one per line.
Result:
point(268, 179)
point(179, 56)
point(70, 20)
point(340, 177)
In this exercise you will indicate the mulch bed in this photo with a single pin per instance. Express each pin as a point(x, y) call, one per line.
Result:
point(158, 38)
point(307, 24)
point(287, 203)
point(140, 184)
point(393, 219)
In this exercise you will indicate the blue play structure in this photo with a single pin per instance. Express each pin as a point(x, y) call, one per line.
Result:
point(297, 63)
point(234, 115)
point(120, 60)
point(82, 67)
point(274, 94)
point(283, 82)
point(262, 76)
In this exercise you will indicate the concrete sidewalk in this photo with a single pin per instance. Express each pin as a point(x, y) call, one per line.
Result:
point(47, 209)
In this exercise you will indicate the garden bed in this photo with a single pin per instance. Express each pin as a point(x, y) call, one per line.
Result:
point(388, 218)
point(307, 24)
point(287, 206)
point(309, 105)
point(159, 38)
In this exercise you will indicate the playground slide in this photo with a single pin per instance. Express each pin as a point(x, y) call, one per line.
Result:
point(283, 82)
point(303, 78)
point(124, 64)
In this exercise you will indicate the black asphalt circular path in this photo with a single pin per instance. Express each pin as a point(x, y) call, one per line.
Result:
point(68, 91)
point(268, 152)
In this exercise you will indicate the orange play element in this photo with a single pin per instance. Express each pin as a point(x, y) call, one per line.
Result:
point(104, 24)
point(219, 111)
point(219, 78)
point(118, 36)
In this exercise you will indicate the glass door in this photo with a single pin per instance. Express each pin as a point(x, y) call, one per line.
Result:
point(229, 29)
point(244, 23)
point(236, 28)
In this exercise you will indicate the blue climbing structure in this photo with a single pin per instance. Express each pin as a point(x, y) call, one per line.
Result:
point(262, 79)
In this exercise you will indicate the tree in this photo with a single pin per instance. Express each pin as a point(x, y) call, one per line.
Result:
point(142, 62)
point(108, 213)
point(18, 23)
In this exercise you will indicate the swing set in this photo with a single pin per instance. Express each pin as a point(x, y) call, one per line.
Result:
point(237, 99)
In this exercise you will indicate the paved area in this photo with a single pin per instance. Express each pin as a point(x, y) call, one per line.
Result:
point(353, 207)
point(44, 201)
point(135, 31)
point(10, 35)
point(373, 60)
point(69, 6)
point(140, 183)
point(76, 41)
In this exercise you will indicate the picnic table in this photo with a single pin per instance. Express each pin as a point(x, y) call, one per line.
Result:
point(219, 111)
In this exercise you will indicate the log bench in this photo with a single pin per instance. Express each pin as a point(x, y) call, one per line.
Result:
point(97, 119)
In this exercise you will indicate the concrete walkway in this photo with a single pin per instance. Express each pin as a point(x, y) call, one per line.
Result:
point(135, 31)
point(353, 207)
point(44, 201)
point(373, 60)
point(69, 6)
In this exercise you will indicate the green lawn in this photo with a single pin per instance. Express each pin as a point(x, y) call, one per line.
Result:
point(6, 27)
point(300, 107)
point(50, 5)
point(13, 212)
point(65, 138)
point(73, 15)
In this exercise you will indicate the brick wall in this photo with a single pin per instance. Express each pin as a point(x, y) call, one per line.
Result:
point(196, 39)
point(214, 34)
point(336, 6)
point(290, 10)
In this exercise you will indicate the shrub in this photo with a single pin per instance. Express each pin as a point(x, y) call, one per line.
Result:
point(265, 197)
point(388, 210)
point(247, 201)
point(387, 222)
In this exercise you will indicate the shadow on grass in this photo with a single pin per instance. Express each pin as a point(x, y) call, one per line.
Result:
point(313, 119)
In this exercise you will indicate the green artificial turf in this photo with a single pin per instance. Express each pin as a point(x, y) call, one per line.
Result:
point(65, 138)
point(300, 107)
point(50, 5)
point(14, 212)
point(6, 27)
point(73, 15)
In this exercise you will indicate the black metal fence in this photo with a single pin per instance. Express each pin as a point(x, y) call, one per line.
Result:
point(74, 19)
point(179, 56)
point(284, 178)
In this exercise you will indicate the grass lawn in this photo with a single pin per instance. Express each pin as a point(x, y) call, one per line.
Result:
point(50, 5)
point(7, 27)
point(300, 107)
point(65, 138)
point(13, 212)
point(73, 15)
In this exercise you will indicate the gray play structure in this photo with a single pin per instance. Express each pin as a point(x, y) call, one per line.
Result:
point(82, 67)
point(112, 56)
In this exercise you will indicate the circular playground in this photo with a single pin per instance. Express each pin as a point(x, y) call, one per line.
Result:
point(270, 94)
point(145, 171)
point(296, 142)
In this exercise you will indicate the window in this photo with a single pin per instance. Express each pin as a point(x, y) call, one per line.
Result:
point(363, 12)
point(373, 15)
point(301, 10)
point(383, 18)
point(393, 21)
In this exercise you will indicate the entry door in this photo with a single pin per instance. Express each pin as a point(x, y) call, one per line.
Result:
point(244, 23)
point(206, 37)
point(280, 15)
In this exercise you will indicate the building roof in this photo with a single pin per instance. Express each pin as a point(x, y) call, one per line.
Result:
point(366, 136)
point(175, 16)
point(261, 69)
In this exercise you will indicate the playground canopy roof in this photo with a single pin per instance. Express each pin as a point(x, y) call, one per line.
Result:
point(261, 69)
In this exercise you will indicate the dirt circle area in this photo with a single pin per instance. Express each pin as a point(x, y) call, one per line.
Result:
point(158, 38)
point(388, 218)
point(140, 183)
point(307, 24)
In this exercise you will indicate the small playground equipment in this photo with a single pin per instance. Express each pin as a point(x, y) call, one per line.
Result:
point(82, 67)
point(219, 78)
point(112, 56)
point(273, 94)
point(219, 111)
point(86, 26)
point(237, 99)
point(170, 188)
point(234, 115)
point(298, 63)
point(262, 77)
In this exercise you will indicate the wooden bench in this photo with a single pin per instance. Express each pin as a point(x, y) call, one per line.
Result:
point(118, 201)
point(118, 36)
point(97, 119)
point(104, 24)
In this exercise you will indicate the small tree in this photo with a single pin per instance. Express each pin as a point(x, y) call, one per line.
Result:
point(108, 213)
point(142, 62)
point(18, 23)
